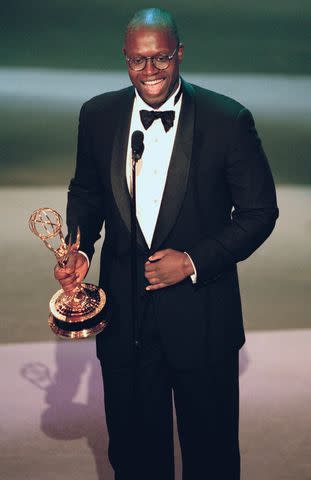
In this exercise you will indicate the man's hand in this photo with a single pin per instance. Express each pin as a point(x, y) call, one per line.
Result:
point(73, 274)
point(167, 267)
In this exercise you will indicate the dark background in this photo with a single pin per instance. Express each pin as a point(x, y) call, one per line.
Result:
point(240, 36)
point(243, 37)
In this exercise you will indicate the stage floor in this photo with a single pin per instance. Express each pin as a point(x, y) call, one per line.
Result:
point(53, 425)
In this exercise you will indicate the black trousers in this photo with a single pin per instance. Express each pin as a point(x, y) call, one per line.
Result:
point(141, 427)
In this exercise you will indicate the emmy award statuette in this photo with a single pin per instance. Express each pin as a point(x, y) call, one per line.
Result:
point(71, 316)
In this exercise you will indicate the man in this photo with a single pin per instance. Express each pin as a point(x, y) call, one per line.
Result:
point(205, 200)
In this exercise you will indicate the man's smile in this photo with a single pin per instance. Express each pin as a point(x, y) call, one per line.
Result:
point(153, 86)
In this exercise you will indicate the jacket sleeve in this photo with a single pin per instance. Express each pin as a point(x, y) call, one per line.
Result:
point(254, 205)
point(85, 206)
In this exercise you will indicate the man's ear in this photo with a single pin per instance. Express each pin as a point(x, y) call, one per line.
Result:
point(180, 53)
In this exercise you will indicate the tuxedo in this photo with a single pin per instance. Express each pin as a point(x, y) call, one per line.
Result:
point(218, 205)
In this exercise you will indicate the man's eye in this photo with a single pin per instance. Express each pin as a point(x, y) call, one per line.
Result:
point(162, 58)
point(137, 60)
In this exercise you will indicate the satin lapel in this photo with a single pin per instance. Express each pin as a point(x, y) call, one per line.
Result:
point(118, 164)
point(177, 177)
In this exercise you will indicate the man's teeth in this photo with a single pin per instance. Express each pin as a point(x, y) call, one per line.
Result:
point(153, 82)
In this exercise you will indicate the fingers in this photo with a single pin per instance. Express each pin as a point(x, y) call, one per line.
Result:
point(153, 271)
point(153, 277)
point(155, 280)
point(60, 273)
point(157, 286)
point(150, 267)
point(158, 255)
point(70, 283)
point(165, 268)
point(71, 264)
point(151, 263)
point(74, 272)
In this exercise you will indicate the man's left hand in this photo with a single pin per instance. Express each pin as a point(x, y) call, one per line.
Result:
point(167, 267)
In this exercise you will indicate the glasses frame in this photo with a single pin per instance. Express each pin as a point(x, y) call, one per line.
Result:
point(169, 57)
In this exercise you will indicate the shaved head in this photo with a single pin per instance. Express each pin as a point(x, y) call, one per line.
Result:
point(153, 18)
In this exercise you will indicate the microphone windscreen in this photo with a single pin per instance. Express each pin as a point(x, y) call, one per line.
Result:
point(137, 143)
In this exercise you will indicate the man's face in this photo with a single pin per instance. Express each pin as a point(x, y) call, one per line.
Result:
point(153, 85)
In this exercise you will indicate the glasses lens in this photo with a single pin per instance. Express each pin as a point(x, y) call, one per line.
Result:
point(137, 64)
point(161, 62)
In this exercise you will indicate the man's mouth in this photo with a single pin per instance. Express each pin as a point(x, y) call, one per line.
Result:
point(153, 82)
point(153, 86)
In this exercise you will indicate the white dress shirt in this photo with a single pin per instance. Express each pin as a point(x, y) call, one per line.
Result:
point(152, 168)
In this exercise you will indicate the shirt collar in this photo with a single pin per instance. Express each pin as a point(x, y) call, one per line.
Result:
point(168, 105)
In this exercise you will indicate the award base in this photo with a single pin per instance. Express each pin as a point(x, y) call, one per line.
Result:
point(78, 316)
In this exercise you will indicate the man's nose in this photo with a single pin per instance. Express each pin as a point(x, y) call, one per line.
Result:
point(150, 69)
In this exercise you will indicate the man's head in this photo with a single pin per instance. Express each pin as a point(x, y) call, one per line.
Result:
point(153, 33)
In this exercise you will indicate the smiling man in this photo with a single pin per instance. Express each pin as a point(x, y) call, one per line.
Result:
point(205, 201)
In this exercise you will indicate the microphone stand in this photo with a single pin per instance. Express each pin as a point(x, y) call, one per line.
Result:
point(137, 151)
point(134, 255)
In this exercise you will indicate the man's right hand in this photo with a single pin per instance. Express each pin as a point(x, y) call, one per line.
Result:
point(73, 274)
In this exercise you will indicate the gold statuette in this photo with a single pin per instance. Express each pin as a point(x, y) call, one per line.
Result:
point(78, 315)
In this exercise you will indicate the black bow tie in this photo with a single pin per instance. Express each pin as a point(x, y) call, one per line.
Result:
point(148, 116)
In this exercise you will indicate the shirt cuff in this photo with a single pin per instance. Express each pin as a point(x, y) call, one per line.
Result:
point(194, 275)
point(85, 255)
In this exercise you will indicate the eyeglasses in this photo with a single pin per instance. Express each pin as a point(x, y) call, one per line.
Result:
point(161, 62)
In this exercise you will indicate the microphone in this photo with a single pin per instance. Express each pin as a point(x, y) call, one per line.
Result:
point(137, 144)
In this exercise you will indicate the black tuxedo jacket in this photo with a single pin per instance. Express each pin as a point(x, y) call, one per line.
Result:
point(218, 205)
